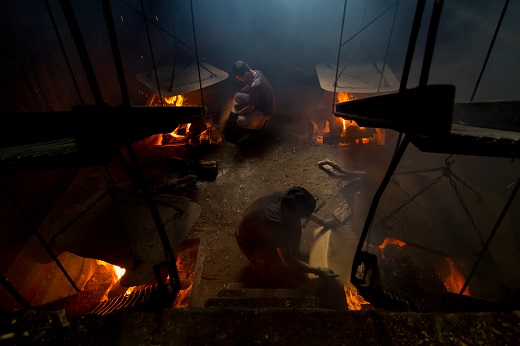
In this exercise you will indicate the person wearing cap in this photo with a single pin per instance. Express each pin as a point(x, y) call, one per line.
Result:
point(254, 104)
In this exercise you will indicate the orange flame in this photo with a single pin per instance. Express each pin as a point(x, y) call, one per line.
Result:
point(355, 301)
point(456, 280)
point(394, 241)
point(176, 100)
point(344, 97)
point(117, 272)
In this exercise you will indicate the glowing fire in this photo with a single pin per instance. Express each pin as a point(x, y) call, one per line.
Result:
point(456, 280)
point(176, 100)
point(116, 272)
point(394, 241)
point(378, 136)
point(181, 134)
point(344, 97)
point(453, 282)
point(355, 300)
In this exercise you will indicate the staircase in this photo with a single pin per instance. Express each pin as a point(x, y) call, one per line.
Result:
point(237, 295)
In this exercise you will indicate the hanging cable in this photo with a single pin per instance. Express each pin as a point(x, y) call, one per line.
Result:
point(107, 10)
point(339, 53)
point(430, 42)
point(81, 47)
point(197, 56)
point(492, 234)
point(387, 49)
point(357, 33)
point(363, 28)
point(151, 53)
point(156, 25)
point(490, 49)
point(67, 60)
point(416, 26)
point(170, 88)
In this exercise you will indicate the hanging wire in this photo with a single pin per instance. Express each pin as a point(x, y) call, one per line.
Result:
point(82, 51)
point(151, 52)
point(116, 54)
point(157, 25)
point(492, 234)
point(197, 56)
point(363, 28)
point(388, 48)
point(430, 42)
point(490, 49)
point(339, 52)
point(411, 44)
point(177, 42)
point(338, 75)
point(67, 60)
point(174, 48)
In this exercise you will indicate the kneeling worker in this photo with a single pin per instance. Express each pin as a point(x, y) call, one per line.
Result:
point(269, 235)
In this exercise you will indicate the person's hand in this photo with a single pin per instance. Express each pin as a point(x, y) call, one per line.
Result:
point(324, 272)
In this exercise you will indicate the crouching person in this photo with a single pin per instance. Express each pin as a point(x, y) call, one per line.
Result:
point(269, 235)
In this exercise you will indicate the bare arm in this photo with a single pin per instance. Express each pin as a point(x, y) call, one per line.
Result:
point(291, 262)
point(328, 223)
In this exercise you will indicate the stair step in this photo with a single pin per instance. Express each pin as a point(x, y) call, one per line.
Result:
point(263, 302)
point(237, 295)
point(264, 293)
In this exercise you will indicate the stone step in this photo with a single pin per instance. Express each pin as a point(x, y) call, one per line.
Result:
point(263, 293)
point(236, 295)
point(263, 302)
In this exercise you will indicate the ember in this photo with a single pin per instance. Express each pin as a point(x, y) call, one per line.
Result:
point(355, 301)
point(202, 131)
point(345, 132)
point(455, 280)
point(451, 277)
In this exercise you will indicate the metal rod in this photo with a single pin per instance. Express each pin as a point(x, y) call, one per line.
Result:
point(36, 232)
point(375, 200)
point(67, 60)
point(151, 53)
point(387, 49)
point(197, 55)
point(116, 53)
point(82, 50)
point(152, 206)
point(416, 26)
point(430, 42)
point(492, 234)
point(339, 53)
point(490, 49)
point(10, 288)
